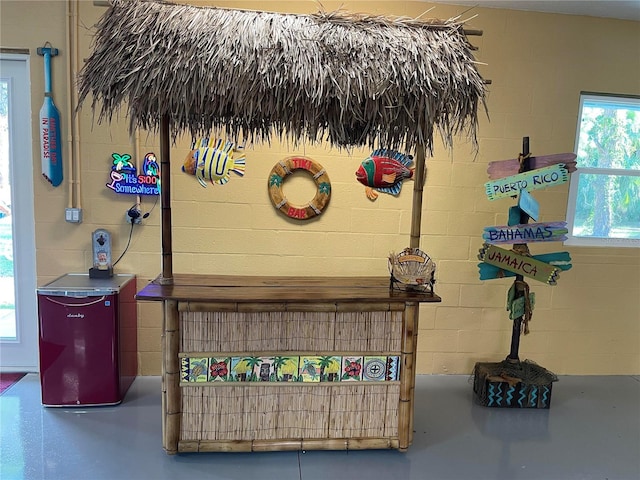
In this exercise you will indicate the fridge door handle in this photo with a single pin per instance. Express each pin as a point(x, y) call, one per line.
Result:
point(65, 304)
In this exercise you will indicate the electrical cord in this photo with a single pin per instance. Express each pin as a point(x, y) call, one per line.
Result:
point(134, 213)
point(152, 207)
point(127, 247)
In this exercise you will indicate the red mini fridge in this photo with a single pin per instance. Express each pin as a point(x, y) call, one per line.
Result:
point(88, 339)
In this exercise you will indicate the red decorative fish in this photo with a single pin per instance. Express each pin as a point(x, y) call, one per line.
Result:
point(384, 171)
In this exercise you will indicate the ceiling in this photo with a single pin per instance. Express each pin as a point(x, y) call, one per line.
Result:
point(621, 9)
point(625, 10)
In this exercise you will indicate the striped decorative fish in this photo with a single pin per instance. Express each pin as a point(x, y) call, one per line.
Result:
point(213, 160)
point(384, 171)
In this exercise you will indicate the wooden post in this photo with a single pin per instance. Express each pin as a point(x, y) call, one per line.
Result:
point(524, 218)
point(416, 326)
point(407, 375)
point(166, 277)
point(171, 395)
point(163, 378)
point(418, 187)
point(412, 310)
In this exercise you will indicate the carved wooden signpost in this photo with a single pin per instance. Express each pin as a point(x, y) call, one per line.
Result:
point(525, 233)
point(524, 265)
point(533, 180)
point(560, 260)
point(504, 168)
point(497, 384)
point(528, 204)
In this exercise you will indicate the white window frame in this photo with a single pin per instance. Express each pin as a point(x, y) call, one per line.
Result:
point(22, 354)
point(575, 179)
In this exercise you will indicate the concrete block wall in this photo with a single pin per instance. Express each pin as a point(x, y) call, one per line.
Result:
point(538, 64)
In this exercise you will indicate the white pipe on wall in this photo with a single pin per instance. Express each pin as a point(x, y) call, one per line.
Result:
point(74, 90)
point(70, 145)
point(73, 122)
point(135, 145)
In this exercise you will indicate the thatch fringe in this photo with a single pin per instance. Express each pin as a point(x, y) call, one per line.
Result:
point(353, 80)
point(263, 413)
point(291, 331)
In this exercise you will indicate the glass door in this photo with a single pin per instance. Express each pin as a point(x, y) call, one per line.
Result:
point(18, 312)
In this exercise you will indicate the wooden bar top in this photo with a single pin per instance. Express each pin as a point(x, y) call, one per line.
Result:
point(266, 289)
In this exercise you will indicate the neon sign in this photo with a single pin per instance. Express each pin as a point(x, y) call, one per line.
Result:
point(126, 180)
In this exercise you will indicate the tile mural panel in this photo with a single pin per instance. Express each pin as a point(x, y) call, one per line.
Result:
point(303, 368)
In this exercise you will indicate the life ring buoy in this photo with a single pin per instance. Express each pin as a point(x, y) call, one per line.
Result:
point(286, 167)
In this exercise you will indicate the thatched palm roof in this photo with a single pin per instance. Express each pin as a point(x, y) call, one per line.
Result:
point(354, 79)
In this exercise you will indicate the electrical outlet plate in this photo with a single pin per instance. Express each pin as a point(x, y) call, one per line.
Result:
point(73, 215)
point(137, 219)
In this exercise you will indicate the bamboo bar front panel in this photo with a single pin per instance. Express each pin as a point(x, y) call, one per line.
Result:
point(286, 363)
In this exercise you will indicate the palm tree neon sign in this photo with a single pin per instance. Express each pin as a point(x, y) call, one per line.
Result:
point(126, 180)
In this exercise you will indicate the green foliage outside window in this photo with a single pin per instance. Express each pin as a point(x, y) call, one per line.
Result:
point(606, 202)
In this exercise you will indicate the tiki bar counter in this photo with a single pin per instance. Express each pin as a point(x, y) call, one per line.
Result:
point(287, 363)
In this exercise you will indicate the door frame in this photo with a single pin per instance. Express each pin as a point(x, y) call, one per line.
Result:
point(21, 354)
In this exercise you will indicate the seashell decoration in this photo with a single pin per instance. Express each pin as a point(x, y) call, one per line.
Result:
point(412, 269)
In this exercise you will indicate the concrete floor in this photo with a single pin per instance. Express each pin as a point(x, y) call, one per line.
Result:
point(592, 431)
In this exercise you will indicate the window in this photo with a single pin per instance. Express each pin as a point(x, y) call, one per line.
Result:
point(18, 306)
point(604, 195)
